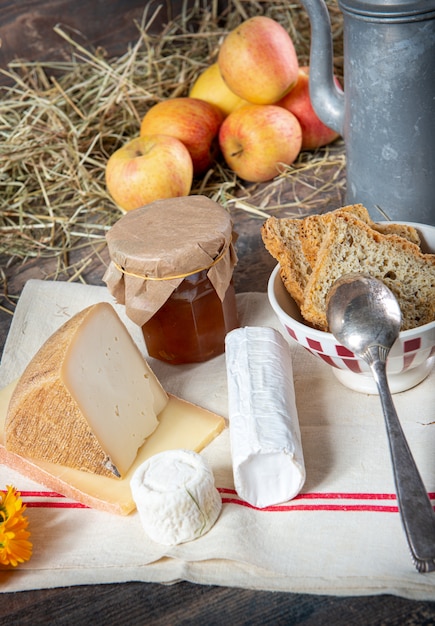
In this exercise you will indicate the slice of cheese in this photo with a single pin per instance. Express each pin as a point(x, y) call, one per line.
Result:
point(266, 448)
point(176, 496)
point(181, 425)
point(87, 399)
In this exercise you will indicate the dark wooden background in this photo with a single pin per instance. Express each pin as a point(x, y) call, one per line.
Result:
point(26, 26)
point(26, 32)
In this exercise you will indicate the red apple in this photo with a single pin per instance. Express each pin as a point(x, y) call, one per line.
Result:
point(256, 139)
point(258, 61)
point(314, 132)
point(149, 168)
point(194, 122)
point(211, 87)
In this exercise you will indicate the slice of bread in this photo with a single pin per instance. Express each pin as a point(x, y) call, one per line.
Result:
point(402, 230)
point(314, 227)
point(294, 243)
point(282, 240)
point(350, 245)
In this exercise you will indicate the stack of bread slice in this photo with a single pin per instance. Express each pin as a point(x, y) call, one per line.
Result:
point(314, 252)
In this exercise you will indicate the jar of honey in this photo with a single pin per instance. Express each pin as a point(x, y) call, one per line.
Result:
point(171, 265)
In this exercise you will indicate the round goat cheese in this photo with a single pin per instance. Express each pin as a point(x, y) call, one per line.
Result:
point(176, 497)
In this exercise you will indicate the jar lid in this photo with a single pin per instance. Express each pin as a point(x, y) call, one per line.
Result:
point(153, 248)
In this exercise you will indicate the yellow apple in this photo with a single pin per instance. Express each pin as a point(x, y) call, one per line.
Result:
point(314, 132)
point(258, 61)
point(211, 87)
point(256, 139)
point(194, 122)
point(148, 168)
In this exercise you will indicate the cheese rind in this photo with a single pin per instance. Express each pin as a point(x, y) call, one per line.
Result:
point(266, 448)
point(88, 399)
point(175, 496)
point(181, 425)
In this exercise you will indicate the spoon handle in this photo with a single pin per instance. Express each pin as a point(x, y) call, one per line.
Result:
point(418, 517)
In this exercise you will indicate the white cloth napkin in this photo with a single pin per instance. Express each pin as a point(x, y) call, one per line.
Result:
point(342, 535)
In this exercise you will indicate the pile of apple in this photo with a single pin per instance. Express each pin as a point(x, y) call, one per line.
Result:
point(252, 106)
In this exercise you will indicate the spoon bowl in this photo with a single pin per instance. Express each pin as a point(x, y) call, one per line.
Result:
point(364, 312)
point(364, 316)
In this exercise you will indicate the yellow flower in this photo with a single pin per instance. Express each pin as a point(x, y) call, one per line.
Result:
point(15, 546)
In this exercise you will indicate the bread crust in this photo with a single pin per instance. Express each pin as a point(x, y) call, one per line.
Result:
point(314, 228)
point(282, 239)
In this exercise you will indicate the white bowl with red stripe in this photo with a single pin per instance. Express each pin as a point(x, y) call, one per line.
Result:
point(410, 360)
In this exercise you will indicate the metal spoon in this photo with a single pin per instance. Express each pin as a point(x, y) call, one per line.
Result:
point(364, 316)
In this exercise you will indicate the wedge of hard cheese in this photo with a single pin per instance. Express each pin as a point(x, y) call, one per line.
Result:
point(181, 425)
point(87, 399)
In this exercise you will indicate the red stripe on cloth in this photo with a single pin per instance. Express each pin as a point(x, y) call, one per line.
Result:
point(41, 494)
point(347, 496)
point(56, 505)
point(229, 496)
point(337, 494)
point(315, 507)
point(297, 505)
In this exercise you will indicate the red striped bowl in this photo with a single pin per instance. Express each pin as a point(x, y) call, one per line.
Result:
point(409, 362)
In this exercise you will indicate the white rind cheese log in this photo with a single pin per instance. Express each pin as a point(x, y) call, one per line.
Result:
point(266, 448)
point(88, 399)
point(175, 496)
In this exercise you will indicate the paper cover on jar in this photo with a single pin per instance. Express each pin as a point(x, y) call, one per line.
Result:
point(153, 248)
point(266, 447)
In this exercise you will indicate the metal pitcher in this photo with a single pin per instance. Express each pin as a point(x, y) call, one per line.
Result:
point(386, 114)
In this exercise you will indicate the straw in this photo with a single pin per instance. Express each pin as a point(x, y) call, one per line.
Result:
point(60, 122)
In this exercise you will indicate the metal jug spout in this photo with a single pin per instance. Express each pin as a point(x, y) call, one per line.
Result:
point(327, 98)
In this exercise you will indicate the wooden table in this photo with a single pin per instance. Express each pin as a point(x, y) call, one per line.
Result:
point(184, 603)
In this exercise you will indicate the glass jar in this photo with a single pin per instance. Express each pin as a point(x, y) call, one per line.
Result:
point(192, 323)
point(171, 265)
